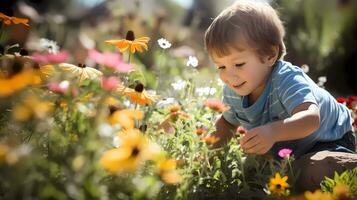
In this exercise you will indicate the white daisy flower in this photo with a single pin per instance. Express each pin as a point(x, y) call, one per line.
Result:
point(163, 43)
point(116, 142)
point(204, 91)
point(105, 130)
point(192, 61)
point(322, 79)
point(49, 45)
point(179, 84)
point(220, 83)
point(166, 102)
point(305, 68)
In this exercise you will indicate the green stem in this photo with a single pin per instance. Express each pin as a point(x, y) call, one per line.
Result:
point(1, 29)
point(129, 57)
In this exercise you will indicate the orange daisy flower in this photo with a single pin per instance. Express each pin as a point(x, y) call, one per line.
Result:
point(130, 42)
point(13, 20)
point(138, 95)
point(216, 105)
point(210, 139)
point(201, 130)
point(126, 117)
point(167, 171)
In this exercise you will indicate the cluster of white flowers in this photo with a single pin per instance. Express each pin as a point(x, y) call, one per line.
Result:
point(204, 91)
point(49, 45)
point(165, 44)
point(179, 84)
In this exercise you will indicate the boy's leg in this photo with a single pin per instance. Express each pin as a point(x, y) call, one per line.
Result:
point(323, 160)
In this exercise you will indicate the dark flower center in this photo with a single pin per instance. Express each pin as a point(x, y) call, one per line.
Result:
point(24, 52)
point(135, 152)
point(16, 67)
point(278, 186)
point(112, 109)
point(139, 87)
point(130, 36)
point(82, 65)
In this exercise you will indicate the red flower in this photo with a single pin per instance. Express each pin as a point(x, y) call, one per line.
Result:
point(241, 130)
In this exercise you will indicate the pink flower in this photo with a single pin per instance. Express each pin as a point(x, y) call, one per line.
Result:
point(110, 60)
point(110, 83)
point(50, 58)
point(58, 87)
point(285, 152)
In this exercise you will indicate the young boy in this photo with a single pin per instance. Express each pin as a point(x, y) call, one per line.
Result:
point(279, 105)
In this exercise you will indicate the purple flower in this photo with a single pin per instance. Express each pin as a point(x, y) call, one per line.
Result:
point(285, 152)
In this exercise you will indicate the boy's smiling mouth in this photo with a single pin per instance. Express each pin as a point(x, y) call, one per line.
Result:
point(239, 85)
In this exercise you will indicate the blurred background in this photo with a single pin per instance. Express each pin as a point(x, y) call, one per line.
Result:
point(320, 33)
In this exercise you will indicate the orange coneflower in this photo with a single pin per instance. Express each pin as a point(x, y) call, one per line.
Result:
point(16, 72)
point(134, 44)
point(31, 107)
point(216, 105)
point(138, 95)
point(13, 20)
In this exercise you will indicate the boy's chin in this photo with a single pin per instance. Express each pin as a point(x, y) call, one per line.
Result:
point(240, 92)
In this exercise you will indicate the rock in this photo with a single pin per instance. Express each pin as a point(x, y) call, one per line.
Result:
point(315, 166)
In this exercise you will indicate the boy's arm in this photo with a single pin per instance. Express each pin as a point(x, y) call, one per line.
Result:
point(224, 131)
point(304, 121)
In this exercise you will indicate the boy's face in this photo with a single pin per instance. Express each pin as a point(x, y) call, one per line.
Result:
point(243, 71)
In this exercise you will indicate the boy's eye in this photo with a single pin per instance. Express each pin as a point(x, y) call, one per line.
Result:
point(221, 67)
point(239, 65)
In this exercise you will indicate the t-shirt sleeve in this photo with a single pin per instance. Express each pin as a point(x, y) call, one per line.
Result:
point(229, 100)
point(294, 89)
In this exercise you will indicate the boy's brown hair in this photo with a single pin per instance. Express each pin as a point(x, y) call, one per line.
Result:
point(246, 23)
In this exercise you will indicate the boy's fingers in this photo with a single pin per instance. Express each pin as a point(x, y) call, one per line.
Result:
point(251, 143)
point(246, 138)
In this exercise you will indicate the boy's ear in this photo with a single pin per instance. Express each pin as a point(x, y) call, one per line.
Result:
point(271, 59)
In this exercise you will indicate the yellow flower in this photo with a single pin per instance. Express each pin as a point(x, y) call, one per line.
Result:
point(167, 171)
point(13, 20)
point(82, 71)
point(44, 72)
point(278, 185)
point(31, 107)
point(16, 73)
point(341, 191)
point(126, 117)
point(138, 95)
point(317, 195)
point(130, 42)
point(4, 149)
point(134, 149)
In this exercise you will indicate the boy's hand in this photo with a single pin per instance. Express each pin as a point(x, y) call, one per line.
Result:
point(258, 140)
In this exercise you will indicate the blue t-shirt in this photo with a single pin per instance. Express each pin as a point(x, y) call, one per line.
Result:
point(287, 87)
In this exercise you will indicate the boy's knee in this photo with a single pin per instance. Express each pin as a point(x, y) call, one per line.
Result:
point(315, 166)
